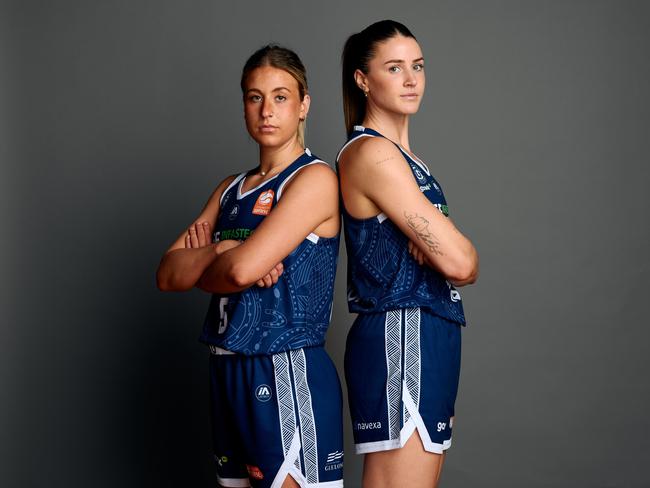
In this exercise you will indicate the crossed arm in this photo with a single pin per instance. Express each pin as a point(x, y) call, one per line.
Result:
point(378, 180)
point(309, 204)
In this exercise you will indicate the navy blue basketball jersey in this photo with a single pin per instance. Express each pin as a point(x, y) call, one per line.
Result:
point(296, 311)
point(382, 275)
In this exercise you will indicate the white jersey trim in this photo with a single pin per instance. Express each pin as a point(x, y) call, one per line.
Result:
point(416, 160)
point(338, 156)
point(241, 195)
point(229, 187)
point(311, 237)
point(286, 180)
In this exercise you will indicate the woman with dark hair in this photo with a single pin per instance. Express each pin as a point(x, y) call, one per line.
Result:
point(405, 258)
point(266, 246)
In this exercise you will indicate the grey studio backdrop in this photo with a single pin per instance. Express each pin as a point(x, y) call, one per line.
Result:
point(120, 117)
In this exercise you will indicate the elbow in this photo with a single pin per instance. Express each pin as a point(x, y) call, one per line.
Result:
point(240, 276)
point(165, 282)
point(162, 282)
point(465, 272)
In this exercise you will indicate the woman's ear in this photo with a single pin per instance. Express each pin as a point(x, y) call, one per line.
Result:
point(361, 80)
point(304, 106)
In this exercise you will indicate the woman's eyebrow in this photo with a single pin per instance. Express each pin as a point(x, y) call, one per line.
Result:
point(397, 61)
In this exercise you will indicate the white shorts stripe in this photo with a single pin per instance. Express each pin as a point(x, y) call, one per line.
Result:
point(306, 416)
point(393, 334)
point(412, 361)
point(286, 410)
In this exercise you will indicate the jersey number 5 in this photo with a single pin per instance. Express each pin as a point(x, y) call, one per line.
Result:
point(223, 315)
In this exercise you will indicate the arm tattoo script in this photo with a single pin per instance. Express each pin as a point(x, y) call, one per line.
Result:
point(420, 226)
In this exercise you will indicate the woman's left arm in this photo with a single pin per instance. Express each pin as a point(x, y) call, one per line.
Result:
point(309, 203)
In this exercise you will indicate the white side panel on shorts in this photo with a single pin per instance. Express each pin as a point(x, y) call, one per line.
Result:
point(412, 357)
point(417, 422)
point(286, 411)
point(393, 337)
point(288, 465)
point(306, 416)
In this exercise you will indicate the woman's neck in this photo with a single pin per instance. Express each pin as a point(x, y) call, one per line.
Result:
point(392, 126)
point(275, 159)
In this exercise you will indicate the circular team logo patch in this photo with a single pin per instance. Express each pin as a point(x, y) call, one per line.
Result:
point(263, 393)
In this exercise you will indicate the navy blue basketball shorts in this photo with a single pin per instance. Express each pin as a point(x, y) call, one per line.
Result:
point(402, 369)
point(274, 416)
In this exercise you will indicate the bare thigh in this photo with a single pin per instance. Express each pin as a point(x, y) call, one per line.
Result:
point(410, 466)
point(289, 482)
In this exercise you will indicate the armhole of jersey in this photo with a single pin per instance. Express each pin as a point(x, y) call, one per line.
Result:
point(229, 187)
point(417, 161)
point(338, 156)
point(311, 237)
point(291, 175)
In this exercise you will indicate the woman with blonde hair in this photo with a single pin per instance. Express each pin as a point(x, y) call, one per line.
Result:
point(266, 246)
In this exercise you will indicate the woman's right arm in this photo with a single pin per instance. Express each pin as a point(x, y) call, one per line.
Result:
point(188, 257)
point(380, 175)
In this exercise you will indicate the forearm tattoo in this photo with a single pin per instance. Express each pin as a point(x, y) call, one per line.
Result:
point(420, 226)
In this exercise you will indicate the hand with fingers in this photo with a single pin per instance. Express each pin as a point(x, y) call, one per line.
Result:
point(199, 235)
point(272, 277)
point(417, 254)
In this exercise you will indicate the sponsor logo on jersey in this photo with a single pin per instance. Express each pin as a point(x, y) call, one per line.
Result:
point(368, 425)
point(442, 426)
point(264, 203)
point(254, 472)
point(418, 174)
point(425, 187)
point(234, 234)
point(334, 461)
point(263, 393)
point(234, 212)
point(454, 295)
point(443, 208)
point(437, 187)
